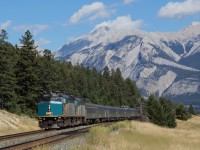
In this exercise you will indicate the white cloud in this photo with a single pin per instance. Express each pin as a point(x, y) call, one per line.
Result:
point(128, 1)
point(121, 23)
point(93, 11)
point(179, 9)
point(195, 23)
point(42, 41)
point(34, 29)
point(5, 25)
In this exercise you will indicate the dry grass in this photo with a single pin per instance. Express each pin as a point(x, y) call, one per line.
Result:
point(11, 123)
point(145, 136)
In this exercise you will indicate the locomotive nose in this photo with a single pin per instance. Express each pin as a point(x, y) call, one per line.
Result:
point(50, 108)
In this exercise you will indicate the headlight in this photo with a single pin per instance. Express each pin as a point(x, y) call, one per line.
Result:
point(49, 108)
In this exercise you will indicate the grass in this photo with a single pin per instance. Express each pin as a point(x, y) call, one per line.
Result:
point(145, 136)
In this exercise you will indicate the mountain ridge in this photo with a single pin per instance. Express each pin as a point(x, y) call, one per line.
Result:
point(159, 62)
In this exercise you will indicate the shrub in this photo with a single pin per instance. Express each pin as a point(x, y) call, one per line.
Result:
point(182, 113)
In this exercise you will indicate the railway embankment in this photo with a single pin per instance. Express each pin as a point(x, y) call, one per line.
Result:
point(12, 123)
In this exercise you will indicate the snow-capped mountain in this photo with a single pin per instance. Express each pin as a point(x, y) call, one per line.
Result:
point(167, 64)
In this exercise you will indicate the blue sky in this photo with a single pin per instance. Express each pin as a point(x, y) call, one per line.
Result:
point(54, 22)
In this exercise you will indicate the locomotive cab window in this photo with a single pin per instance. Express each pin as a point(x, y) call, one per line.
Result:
point(57, 99)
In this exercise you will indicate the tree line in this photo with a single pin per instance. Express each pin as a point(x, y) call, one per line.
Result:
point(25, 74)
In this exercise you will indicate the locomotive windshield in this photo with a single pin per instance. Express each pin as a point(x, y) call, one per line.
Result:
point(50, 98)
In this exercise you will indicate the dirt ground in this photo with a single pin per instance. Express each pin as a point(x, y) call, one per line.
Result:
point(11, 123)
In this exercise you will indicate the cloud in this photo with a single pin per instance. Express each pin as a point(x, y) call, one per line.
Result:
point(195, 23)
point(42, 41)
point(34, 29)
point(179, 9)
point(5, 25)
point(121, 23)
point(128, 1)
point(93, 11)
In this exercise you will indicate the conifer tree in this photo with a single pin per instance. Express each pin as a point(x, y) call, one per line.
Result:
point(27, 74)
point(106, 72)
point(169, 115)
point(143, 111)
point(161, 111)
point(182, 113)
point(8, 97)
point(191, 109)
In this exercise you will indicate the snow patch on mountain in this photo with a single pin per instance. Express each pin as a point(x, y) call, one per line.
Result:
point(77, 58)
point(157, 86)
point(132, 56)
point(161, 61)
point(183, 86)
point(146, 72)
point(109, 54)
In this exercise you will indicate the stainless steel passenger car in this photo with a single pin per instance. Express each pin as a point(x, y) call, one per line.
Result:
point(100, 113)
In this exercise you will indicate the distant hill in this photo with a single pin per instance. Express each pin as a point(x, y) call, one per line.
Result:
point(166, 64)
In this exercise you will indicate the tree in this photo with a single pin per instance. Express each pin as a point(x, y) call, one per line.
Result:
point(182, 113)
point(143, 111)
point(27, 41)
point(161, 111)
point(106, 72)
point(3, 36)
point(169, 116)
point(191, 109)
point(8, 86)
point(27, 77)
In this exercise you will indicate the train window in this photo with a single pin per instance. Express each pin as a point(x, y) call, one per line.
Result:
point(45, 98)
point(58, 99)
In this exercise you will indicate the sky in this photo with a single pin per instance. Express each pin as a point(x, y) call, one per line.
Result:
point(55, 22)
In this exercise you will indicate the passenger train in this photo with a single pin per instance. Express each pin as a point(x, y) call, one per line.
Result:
point(58, 110)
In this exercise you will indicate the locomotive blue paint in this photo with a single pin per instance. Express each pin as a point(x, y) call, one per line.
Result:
point(54, 111)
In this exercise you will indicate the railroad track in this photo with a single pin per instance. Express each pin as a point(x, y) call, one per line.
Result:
point(29, 140)
point(50, 140)
point(12, 136)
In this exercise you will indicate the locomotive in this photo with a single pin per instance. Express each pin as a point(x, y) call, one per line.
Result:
point(58, 110)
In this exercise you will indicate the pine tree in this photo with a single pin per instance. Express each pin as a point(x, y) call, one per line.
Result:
point(106, 72)
point(27, 77)
point(182, 113)
point(169, 116)
point(191, 109)
point(48, 72)
point(8, 97)
point(143, 111)
point(161, 112)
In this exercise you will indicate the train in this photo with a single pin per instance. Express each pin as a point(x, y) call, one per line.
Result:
point(59, 110)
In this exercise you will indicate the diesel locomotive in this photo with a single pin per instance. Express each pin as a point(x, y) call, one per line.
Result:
point(58, 110)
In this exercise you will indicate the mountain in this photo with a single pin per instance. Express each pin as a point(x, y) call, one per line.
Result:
point(166, 64)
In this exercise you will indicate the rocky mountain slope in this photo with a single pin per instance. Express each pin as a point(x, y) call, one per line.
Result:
point(167, 64)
